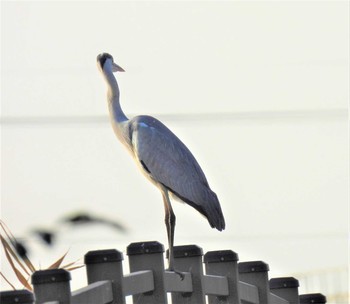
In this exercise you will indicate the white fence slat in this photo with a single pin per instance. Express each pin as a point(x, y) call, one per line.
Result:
point(256, 273)
point(223, 263)
point(52, 285)
point(286, 288)
point(225, 281)
point(173, 282)
point(189, 259)
point(138, 282)
point(215, 285)
point(249, 293)
point(106, 265)
point(277, 300)
point(98, 292)
point(149, 256)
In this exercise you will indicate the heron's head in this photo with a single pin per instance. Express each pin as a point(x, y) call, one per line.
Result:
point(105, 61)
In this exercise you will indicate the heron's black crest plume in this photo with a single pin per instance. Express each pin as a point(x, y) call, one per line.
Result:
point(103, 57)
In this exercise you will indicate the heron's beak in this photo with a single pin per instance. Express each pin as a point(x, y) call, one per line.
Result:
point(117, 68)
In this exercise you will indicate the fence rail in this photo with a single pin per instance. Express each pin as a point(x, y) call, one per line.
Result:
point(224, 281)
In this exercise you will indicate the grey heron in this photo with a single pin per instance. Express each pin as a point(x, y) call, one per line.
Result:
point(162, 158)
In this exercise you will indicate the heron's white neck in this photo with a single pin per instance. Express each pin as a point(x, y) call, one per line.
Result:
point(118, 118)
point(113, 94)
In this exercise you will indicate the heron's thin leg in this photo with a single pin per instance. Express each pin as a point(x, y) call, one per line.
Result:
point(170, 221)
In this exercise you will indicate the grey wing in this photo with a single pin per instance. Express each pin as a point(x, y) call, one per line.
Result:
point(169, 162)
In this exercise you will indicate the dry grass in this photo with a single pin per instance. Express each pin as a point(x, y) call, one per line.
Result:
point(21, 264)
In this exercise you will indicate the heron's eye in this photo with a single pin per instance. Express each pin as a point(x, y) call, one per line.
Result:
point(103, 57)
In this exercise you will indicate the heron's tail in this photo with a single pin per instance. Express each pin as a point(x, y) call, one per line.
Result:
point(209, 206)
point(206, 202)
point(213, 212)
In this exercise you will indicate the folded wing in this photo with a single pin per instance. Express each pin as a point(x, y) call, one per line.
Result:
point(170, 163)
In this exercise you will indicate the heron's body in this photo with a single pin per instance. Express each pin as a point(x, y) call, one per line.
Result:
point(162, 158)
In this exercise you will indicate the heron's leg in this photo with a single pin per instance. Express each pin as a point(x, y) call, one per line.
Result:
point(170, 220)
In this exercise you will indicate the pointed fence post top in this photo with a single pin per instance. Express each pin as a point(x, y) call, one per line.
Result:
point(220, 256)
point(314, 298)
point(285, 282)
point(50, 276)
point(16, 296)
point(103, 256)
point(144, 248)
point(253, 266)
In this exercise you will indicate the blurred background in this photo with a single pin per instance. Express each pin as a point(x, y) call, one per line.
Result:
point(258, 90)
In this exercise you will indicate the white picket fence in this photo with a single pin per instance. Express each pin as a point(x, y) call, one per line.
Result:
point(222, 280)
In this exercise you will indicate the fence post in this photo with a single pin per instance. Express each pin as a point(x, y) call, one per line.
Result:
point(104, 265)
point(149, 256)
point(52, 285)
point(256, 273)
point(189, 259)
point(224, 263)
point(286, 288)
point(314, 298)
point(16, 296)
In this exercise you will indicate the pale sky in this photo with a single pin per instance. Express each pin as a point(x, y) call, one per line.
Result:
point(266, 84)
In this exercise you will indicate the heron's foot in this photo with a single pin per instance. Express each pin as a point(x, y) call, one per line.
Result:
point(179, 273)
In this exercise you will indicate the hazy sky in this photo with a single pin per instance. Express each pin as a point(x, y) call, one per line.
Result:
point(269, 78)
point(182, 56)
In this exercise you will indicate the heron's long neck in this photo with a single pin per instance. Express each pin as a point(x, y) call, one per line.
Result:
point(113, 94)
point(118, 118)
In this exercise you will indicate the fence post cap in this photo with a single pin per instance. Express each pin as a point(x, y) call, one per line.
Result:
point(103, 256)
point(144, 248)
point(285, 282)
point(253, 266)
point(186, 251)
point(50, 276)
point(220, 256)
point(16, 296)
point(318, 298)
